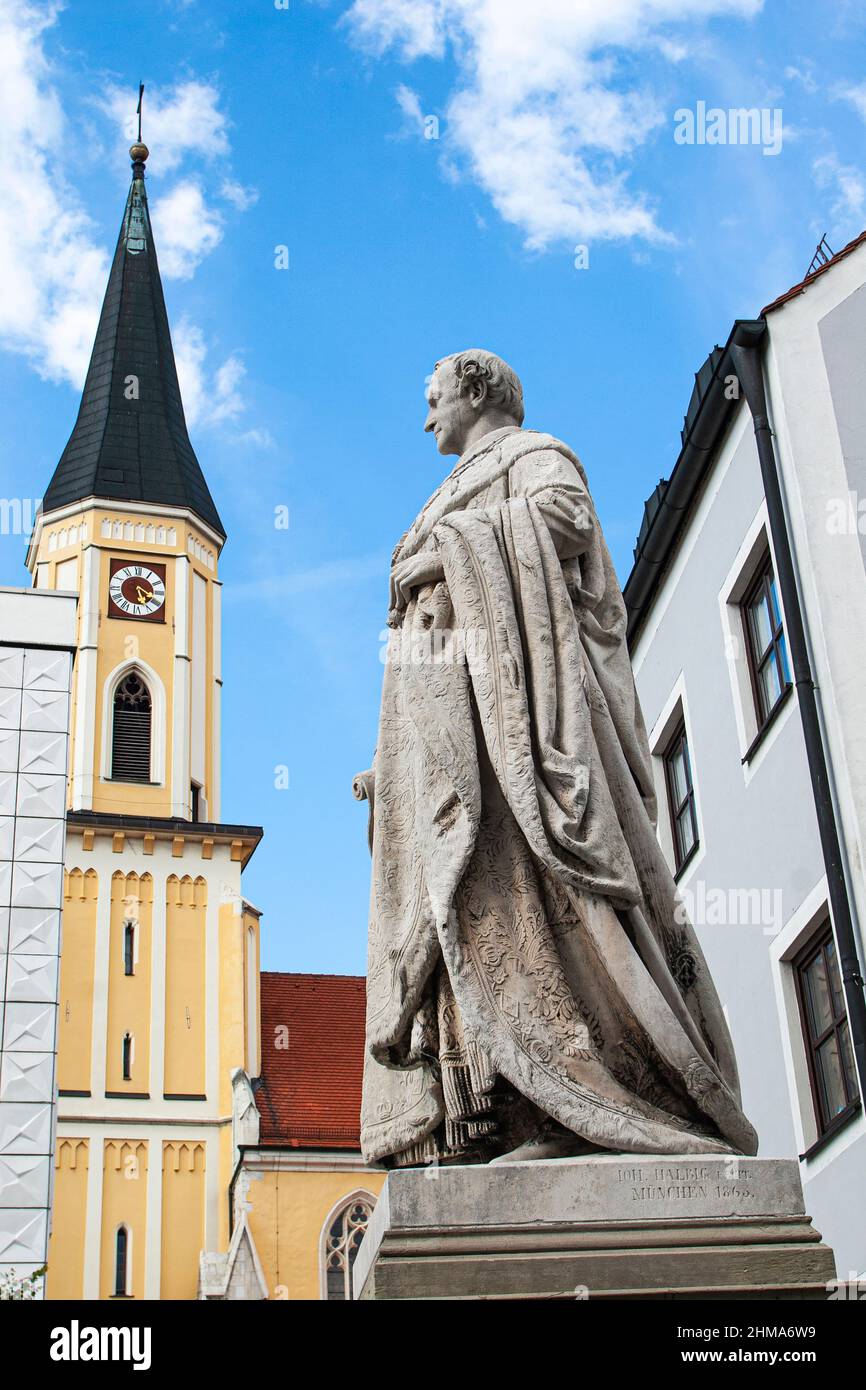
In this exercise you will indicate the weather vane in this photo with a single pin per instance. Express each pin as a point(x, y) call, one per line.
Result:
point(138, 108)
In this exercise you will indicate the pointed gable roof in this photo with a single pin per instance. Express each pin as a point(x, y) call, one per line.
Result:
point(130, 441)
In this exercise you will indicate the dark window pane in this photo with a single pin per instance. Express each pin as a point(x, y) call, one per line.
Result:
point(679, 775)
point(847, 1058)
point(771, 683)
point(762, 627)
point(783, 653)
point(817, 993)
point(837, 997)
point(685, 832)
point(830, 1073)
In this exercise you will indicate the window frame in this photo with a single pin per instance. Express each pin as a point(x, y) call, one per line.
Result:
point(818, 940)
point(678, 738)
point(777, 650)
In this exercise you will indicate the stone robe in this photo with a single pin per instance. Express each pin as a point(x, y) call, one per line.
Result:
point(528, 953)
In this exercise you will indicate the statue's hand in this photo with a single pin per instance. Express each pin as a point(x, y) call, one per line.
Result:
point(410, 574)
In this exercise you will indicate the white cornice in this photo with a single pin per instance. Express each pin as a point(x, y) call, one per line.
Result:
point(273, 1158)
point(90, 504)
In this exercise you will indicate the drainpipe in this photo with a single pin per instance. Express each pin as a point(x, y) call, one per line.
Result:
point(747, 362)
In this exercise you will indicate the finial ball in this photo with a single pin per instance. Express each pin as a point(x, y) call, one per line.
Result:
point(138, 153)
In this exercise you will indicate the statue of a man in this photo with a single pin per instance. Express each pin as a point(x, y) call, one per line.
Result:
point(534, 988)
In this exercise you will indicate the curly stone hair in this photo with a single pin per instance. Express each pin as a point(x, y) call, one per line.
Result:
point(502, 382)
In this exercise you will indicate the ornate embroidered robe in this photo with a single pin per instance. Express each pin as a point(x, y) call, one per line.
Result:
point(527, 951)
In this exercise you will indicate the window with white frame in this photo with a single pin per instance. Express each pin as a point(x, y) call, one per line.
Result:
point(131, 730)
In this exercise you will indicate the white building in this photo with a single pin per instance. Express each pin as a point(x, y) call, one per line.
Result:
point(747, 626)
point(37, 642)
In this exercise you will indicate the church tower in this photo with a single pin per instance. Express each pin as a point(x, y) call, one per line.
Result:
point(159, 975)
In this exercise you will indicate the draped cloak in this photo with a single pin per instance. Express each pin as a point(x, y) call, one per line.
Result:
point(528, 950)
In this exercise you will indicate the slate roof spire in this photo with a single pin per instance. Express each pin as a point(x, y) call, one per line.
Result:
point(130, 441)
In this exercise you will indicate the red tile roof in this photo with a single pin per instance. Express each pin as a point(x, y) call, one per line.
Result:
point(310, 1093)
point(805, 283)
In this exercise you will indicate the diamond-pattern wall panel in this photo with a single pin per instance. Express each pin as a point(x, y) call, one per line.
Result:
point(46, 669)
point(24, 1180)
point(31, 979)
point(11, 667)
point(36, 885)
point(46, 710)
point(34, 734)
point(25, 1128)
point(41, 752)
point(10, 740)
point(10, 709)
point(32, 930)
point(38, 794)
point(8, 793)
point(7, 836)
point(38, 838)
point(27, 1076)
point(23, 1233)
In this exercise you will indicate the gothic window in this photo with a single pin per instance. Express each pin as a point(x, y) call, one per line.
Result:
point(130, 743)
point(127, 1056)
point(121, 1256)
point(129, 948)
point(341, 1246)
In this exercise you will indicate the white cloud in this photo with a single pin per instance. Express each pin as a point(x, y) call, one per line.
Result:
point(409, 103)
point(540, 113)
point(189, 229)
point(847, 188)
point(855, 96)
point(183, 120)
point(209, 397)
point(52, 271)
point(53, 267)
point(235, 193)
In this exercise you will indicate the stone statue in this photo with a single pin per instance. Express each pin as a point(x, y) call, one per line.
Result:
point(534, 987)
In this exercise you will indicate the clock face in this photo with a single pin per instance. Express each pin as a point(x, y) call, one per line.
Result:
point(137, 591)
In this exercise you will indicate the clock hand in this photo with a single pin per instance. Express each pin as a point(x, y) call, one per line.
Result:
point(144, 595)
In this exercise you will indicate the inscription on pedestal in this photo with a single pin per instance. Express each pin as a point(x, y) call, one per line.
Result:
point(684, 1182)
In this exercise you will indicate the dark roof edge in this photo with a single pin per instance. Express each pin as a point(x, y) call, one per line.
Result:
point(696, 457)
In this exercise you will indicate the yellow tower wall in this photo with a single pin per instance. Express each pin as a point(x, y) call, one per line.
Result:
point(185, 1019)
point(129, 996)
point(124, 1202)
point(77, 963)
point(183, 1210)
point(66, 1246)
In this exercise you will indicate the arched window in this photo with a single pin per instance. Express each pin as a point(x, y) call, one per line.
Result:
point(121, 1262)
point(342, 1242)
point(129, 948)
point(130, 741)
point(127, 1056)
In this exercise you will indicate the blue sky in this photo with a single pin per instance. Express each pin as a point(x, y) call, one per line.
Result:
point(306, 127)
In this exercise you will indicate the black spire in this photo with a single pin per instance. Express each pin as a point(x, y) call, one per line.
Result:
point(130, 440)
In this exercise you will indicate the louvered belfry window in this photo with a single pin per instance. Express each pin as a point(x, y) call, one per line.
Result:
point(130, 743)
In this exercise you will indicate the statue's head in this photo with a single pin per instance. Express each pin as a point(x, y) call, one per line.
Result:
point(471, 393)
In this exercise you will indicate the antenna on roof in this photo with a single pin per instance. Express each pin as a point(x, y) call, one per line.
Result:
point(823, 254)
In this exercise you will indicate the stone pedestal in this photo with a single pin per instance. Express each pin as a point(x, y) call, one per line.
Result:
point(605, 1226)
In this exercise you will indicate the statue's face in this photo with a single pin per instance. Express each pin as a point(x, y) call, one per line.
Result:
point(450, 413)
